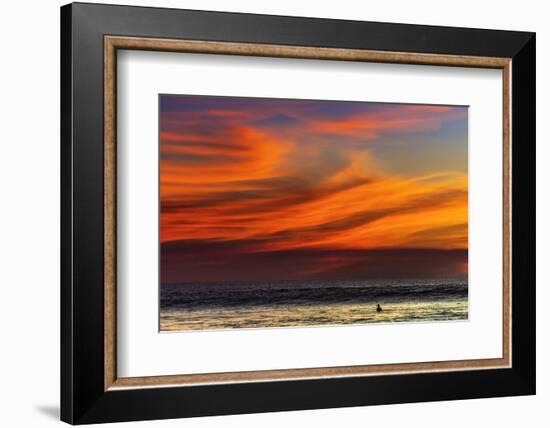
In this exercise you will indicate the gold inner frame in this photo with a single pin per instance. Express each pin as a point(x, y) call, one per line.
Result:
point(113, 43)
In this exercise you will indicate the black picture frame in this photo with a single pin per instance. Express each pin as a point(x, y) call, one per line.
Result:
point(83, 398)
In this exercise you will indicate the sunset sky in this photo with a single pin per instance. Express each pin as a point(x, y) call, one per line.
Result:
point(272, 189)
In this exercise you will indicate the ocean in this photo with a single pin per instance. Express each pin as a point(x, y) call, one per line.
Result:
point(225, 305)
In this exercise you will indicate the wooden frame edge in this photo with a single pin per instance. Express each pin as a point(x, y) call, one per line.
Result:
point(109, 198)
point(112, 43)
point(301, 52)
point(299, 374)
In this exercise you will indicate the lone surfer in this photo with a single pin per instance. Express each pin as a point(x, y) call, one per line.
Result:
point(378, 307)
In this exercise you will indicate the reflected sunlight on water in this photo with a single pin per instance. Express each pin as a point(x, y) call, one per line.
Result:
point(311, 315)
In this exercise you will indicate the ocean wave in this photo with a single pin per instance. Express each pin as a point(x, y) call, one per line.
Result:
point(211, 296)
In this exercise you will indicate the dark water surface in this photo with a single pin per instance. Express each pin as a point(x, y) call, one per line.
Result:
point(307, 303)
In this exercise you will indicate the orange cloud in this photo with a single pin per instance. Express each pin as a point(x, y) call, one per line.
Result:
point(224, 179)
point(408, 118)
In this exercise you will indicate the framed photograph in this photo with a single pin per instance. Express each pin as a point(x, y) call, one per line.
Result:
point(266, 213)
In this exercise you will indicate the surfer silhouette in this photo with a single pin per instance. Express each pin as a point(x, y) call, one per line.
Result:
point(378, 307)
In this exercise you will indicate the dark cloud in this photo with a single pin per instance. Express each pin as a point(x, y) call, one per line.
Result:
point(207, 261)
point(278, 120)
